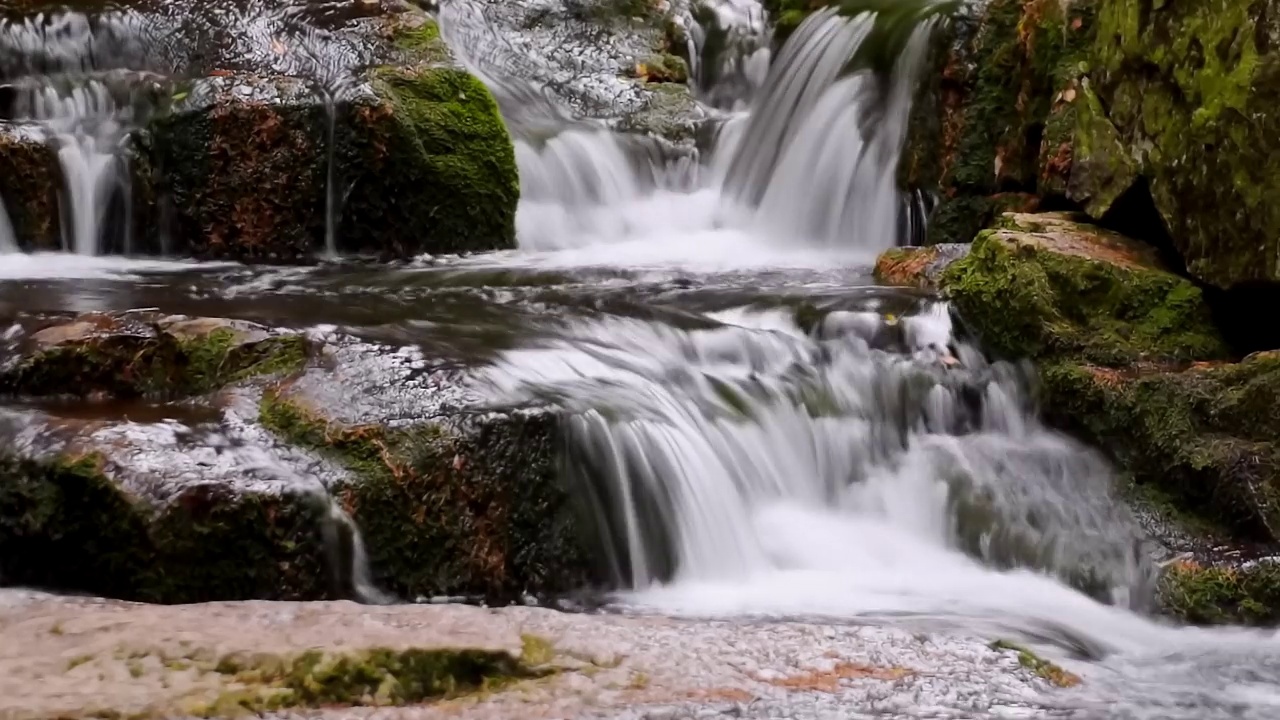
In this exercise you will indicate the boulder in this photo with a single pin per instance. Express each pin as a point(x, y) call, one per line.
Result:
point(1182, 98)
point(29, 184)
point(1045, 286)
point(452, 499)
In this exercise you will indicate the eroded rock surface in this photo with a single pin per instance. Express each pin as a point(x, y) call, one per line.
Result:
point(80, 657)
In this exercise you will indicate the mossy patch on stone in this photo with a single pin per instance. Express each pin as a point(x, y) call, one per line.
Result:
point(375, 677)
point(472, 510)
point(1187, 98)
point(1042, 668)
point(125, 356)
point(1205, 436)
point(1216, 595)
point(1046, 286)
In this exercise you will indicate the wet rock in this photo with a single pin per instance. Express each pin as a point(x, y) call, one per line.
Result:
point(140, 354)
point(29, 185)
point(1204, 436)
point(1183, 99)
point(73, 657)
point(452, 500)
point(992, 114)
point(421, 162)
point(1247, 593)
point(1047, 285)
point(919, 267)
point(160, 509)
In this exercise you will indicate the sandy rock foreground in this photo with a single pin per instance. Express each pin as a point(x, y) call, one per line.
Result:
point(80, 657)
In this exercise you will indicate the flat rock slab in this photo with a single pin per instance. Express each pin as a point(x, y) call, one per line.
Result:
point(78, 657)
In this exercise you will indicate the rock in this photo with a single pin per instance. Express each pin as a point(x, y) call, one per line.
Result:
point(919, 267)
point(1183, 98)
point(352, 125)
point(1046, 286)
point(1248, 594)
point(1204, 436)
point(452, 500)
point(80, 657)
point(421, 158)
point(142, 354)
point(29, 186)
point(989, 114)
point(137, 496)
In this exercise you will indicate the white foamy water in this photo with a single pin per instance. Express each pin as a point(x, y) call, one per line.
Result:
point(8, 239)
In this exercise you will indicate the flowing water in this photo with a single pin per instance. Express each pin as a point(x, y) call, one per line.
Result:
point(760, 430)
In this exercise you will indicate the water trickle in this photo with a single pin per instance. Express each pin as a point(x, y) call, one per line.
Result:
point(8, 238)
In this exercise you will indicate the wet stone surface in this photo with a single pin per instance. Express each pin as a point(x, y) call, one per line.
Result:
point(79, 656)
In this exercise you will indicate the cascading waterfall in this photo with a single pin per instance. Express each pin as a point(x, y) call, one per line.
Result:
point(712, 453)
point(70, 74)
point(8, 239)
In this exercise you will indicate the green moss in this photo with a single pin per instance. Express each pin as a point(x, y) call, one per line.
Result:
point(126, 365)
point(536, 651)
point(1028, 301)
point(376, 677)
point(437, 164)
point(1189, 92)
point(477, 511)
point(1205, 437)
point(663, 68)
point(64, 524)
point(1038, 665)
point(1222, 595)
point(422, 43)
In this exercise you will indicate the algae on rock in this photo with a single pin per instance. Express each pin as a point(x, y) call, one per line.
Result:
point(472, 508)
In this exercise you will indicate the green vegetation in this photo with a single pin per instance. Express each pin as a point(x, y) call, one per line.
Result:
point(376, 677)
point(451, 511)
point(1223, 595)
point(1038, 665)
point(1084, 293)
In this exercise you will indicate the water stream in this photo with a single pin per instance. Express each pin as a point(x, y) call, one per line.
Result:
point(761, 431)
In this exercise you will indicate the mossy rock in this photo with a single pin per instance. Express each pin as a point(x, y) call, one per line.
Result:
point(29, 186)
point(1184, 96)
point(1221, 595)
point(1048, 286)
point(421, 163)
point(125, 355)
point(986, 116)
point(76, 522)
point(1205, 436)
point(457, 507)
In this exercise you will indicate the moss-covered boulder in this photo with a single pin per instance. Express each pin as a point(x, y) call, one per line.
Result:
point(1183, 97)
point(1048, 286)
point(450, 501)
point(126, 355)
point(29, 185)
point(410, 158)
point(1205, 436)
